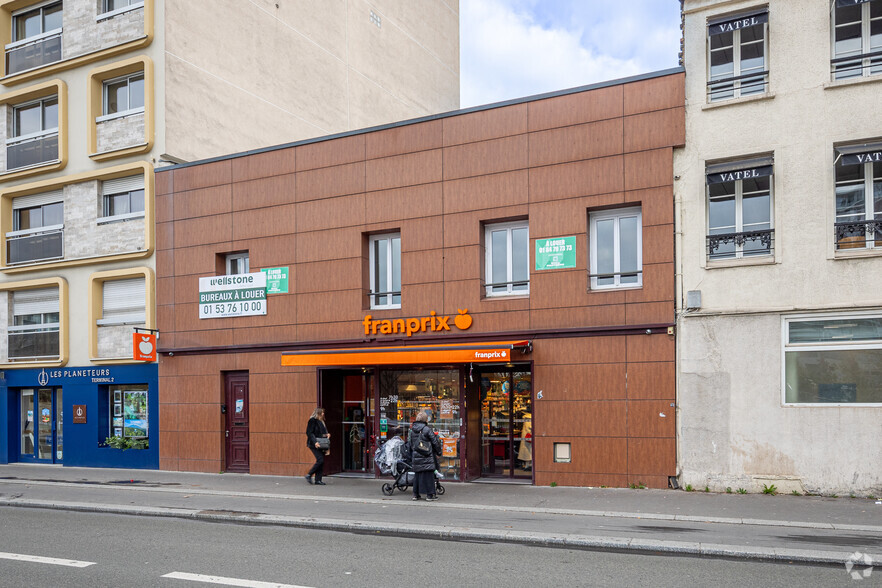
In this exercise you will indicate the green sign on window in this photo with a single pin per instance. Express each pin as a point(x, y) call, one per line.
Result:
point(276, 280)
point(555, 253)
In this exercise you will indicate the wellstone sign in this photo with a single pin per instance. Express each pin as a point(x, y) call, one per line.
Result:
point(234, 295)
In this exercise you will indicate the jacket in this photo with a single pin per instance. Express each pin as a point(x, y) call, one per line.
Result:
point(314, 428)
point(423, 463)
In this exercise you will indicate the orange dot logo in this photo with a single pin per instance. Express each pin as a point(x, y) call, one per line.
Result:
point(463, 321)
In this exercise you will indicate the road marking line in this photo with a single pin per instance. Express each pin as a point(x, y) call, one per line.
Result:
point(47, 560)
point(228, 581)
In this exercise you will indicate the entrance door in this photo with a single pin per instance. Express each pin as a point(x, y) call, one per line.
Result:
point(507, 424)
point(347, 397)
point(42, 425)
point(236, 440)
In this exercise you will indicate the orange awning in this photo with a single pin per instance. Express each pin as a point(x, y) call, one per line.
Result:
point(494, 351)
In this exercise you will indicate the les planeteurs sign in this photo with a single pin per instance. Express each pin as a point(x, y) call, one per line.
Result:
point(234, 295)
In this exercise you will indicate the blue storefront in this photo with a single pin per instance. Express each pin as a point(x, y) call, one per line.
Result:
point(65, 416)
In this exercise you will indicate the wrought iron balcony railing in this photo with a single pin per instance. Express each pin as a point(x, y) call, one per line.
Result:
point(745, 244)
point(858, 234)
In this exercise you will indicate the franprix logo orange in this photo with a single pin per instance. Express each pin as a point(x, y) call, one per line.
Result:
point(409, 326)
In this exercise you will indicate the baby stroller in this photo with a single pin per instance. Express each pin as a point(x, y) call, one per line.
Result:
point(392, 458)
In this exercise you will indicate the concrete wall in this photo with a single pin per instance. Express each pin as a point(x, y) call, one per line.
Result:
point(734, 428)
point(117, 133)
point(84, 33)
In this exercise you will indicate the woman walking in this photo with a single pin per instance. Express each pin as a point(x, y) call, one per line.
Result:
point(316, 429)
point(424, 446)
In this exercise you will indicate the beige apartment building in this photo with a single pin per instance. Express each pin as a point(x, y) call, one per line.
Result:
point(779, 209)
point(95, 95)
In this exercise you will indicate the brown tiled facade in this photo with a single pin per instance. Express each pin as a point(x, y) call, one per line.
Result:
point(603, 359)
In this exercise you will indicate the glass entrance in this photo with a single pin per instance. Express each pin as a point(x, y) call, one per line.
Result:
point(42, 432)
point(507, 424)
point(357, 413)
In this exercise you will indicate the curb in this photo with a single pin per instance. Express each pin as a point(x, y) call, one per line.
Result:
point(583, 542)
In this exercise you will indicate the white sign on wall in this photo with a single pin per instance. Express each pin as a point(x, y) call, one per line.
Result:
point(233, 295)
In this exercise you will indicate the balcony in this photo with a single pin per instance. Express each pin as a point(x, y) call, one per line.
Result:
point(856, 66)
point(35, 245)
point(30, 342)
point(858, 234)
point(735, 245)
point(738, 87)
point(33, 53)
point(31, 150)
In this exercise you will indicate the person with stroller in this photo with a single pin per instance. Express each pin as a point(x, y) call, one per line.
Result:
point(425, 446)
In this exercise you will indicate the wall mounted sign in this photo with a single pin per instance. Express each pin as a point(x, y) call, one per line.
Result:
point(276, 280)
point(728, 25)
point(555, 253)
point(79, 414)
point(740, 174)
point(234, 295)
point(409, 326)
point(144, 346)
point(59, 377)
point(858, 158)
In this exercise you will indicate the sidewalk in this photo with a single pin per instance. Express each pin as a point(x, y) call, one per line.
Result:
point(807, 529)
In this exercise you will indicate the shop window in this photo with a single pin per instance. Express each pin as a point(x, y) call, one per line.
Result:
point(36, 37)
point(124, 302)
point(857, 38)
point(616, 248)
point(34, 331)
point(128, 412)
point(859, 197)
point(123, 198)
point(507, 258)
point(739, 209)
point(37, 228)
point(34, 138)
point(385, 272)
point(123, 96)
point(833, 360)
point(237, 263)
point(737, 50)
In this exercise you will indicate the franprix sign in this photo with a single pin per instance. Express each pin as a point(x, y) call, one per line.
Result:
point(233, 295)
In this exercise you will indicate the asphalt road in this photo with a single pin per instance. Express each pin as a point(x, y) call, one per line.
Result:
point(142, 551)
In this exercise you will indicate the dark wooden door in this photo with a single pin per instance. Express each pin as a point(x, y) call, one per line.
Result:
point(236, 445)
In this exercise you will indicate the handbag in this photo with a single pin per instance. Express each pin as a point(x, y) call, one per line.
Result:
point(423, 447)
point(324, 444)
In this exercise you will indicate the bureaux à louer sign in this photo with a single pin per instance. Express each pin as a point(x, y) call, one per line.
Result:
point(233, 295)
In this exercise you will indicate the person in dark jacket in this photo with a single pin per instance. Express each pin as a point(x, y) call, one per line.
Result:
point(316, 428)
point(423, 465)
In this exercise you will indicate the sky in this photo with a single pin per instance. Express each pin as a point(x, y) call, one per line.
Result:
point(516, 48)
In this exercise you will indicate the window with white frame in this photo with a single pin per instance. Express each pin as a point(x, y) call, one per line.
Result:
point(859, 197)
point(739, 209)
point(118, 6)
point(507, 258)
point(123, 198)
point(857, 38)
point(37, 228)
point(124, 302)
point(237, 263)
point(833, 360)
point(123, 96)
point(33, 332)
point(36, 37)
point(34, 137)
point(385, 272)
point(737, 50)
point(616, 248)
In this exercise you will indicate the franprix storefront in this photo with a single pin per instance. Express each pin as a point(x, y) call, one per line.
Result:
point(479, 398)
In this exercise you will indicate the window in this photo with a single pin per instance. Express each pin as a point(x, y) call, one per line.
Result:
point(737, 49)
point(34, 138)
point(124, 302)
point(237, 263)
point(616, 244)
point(123, 96)
point(36, 37)
point(385, 274)
point(123, 198)
point(833, 360)
point(859, 197)
point(120, 5)
point(507, 258)
point(38, 228)
point(857, 38)
point(33, 333)
point(739, 209)
point(128, 410)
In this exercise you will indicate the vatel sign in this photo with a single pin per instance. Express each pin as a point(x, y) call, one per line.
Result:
point(409, 326)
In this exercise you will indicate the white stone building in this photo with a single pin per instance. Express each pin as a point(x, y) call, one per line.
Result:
point(779, 208)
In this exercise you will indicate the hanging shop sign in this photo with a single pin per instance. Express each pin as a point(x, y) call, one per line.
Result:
point(276, 280)
point(144, 346)
point(409, 326)
point(234, 295)
point(555, 253)
point(729, 24)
